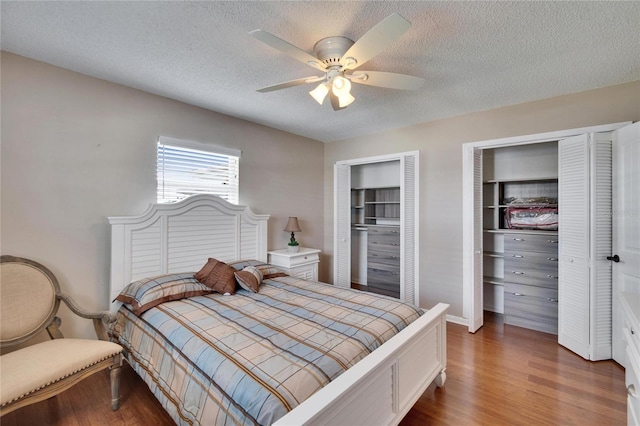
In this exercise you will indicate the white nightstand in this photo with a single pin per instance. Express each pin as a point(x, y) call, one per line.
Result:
point(303, 264)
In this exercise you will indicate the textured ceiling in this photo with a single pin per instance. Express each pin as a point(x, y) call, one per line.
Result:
point(474, 55)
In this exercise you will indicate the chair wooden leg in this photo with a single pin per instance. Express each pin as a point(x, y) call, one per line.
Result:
point(115, 381)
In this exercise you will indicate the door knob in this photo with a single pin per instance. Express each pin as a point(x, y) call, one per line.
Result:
point(614, 258)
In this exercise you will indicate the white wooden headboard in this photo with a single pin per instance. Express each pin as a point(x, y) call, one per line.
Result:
point(179, 237)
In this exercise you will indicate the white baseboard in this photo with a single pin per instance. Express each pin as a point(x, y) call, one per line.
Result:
point(458, 320)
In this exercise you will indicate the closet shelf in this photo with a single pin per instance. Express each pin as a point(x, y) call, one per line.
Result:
point(493, 280)
point(493, 254)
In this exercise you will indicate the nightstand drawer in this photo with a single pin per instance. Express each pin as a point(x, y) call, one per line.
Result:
point(306, 272)
point(301, 259)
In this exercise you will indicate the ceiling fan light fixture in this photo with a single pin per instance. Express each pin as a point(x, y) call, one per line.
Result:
point(320, 92)
point(341, 86)
point(345, 100)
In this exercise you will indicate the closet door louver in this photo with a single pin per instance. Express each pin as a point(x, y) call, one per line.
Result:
point(573, 250)
point(584, 286)
point(409, 229)
point(342, 235)
point(476, 315)
point(601, 244)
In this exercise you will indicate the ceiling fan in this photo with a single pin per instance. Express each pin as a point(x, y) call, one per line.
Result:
point(339, 57)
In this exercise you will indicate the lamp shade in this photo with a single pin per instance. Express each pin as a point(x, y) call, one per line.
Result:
point(320, 92)
point(340, 86)
point(292, 225)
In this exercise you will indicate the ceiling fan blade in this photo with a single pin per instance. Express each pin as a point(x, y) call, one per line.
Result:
point(335, 102)
point(375, 41)
point(291, 83)
point(288, 49)
point(389, 80)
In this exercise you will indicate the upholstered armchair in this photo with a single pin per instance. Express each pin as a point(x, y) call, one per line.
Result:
point(29, 300)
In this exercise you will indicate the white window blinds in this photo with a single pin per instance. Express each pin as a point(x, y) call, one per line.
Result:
point(187, 168)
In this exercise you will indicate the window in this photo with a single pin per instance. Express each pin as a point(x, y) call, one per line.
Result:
point(187, 168)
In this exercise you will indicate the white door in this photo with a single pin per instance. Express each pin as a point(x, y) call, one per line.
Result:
point(472, 270)
point(584, 285)
point(573, 250)
point(409, 266)
point(476, 319)
point(626, 224)
point(342, 226)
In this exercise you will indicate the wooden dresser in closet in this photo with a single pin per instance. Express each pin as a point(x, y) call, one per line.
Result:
point(383, 259)
point(531, 281)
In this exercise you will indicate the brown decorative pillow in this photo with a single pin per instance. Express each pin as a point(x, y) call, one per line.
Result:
point(218, 276)
point(249, 278)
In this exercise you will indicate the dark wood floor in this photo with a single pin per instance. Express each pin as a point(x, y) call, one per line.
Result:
point(501, 375)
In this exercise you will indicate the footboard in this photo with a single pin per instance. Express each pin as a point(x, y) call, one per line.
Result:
point(383, 387)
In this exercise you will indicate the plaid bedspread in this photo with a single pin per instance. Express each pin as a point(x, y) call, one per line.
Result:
point(250, 358)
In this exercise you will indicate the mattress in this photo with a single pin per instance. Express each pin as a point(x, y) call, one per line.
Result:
point(249, 358)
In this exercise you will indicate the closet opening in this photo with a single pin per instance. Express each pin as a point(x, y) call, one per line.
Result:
point(376, 222)
point(586, 178)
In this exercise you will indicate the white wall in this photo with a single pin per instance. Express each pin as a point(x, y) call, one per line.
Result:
point(440, 145)
point(76, 150)
point(372, 175)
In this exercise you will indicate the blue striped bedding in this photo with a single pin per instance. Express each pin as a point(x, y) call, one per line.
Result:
point(249, 358)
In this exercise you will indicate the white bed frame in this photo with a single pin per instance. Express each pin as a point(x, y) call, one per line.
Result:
point(380, 389)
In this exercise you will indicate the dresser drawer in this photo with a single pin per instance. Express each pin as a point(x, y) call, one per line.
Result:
point(531, 307)
point(633, 388)
point(530, 276)
point(390, 257)
point(530, 242)
point(378, 275)
point(528, 290)
point(631, 335)
point(384, 235)
point(537, 323)
point(519, 261)
point(383, 249)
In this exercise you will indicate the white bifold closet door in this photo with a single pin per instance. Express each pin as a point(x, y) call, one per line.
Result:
point(409, 229)
point(476, 313)
point(584, 286)
point(342, 226)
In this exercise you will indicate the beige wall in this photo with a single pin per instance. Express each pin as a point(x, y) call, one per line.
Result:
point(440, 143)
point(76, 150)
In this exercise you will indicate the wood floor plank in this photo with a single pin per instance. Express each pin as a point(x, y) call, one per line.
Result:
point(501, 375)
point(504, 374)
